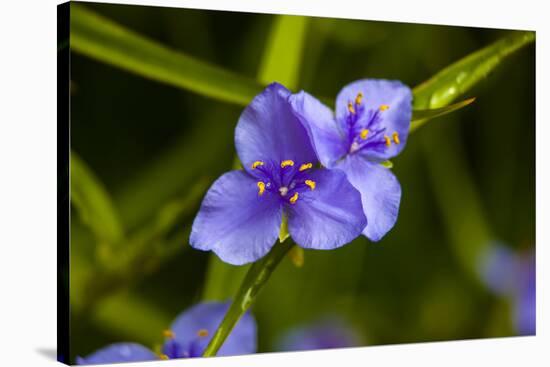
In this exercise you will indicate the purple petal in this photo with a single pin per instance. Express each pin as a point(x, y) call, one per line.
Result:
point(119, 352)
point(329, 216)
point(268, 130)
point(235, 222)
point(328, 141)
point(377, 92)
point(380, 194)
point(195, 327)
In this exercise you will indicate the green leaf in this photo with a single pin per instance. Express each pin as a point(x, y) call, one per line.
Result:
point(458, 78)
point(107, 41)
point(256, 278)
point(387, 164)
point(419, 117)
point(93, 203)
point(283, 54)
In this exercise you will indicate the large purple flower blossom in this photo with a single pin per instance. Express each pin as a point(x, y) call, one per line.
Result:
point(188, 336)
point(241, 215)
point(371, 126)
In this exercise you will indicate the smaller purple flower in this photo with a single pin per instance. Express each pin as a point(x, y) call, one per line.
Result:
point(241, 215)
point(371, 125)
point(188, 336)
point(325, 334)
point(510, 274)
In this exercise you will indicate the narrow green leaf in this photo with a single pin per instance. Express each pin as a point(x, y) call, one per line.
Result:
point(458, 78)
point(419, 117)
point(93, 203)
point(107, 41)
point(283, 54)
point(257, 276)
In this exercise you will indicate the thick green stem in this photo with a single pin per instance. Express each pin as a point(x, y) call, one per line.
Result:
point(253, 282)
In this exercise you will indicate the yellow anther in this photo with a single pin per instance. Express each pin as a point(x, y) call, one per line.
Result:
point(311, 184)
point(395, 137)
point(169, 334)
point(164, 357)
point(261, 187)
point(364, 133)
point(388, 140)
point(287, 163)
point(256, 164)
point(294, 198)
point(305, 166)
point(350, 108)
point(202, 333)
point(359, 98)
point(384, 107)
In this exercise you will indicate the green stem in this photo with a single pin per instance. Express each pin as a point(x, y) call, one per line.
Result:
point(253, 282)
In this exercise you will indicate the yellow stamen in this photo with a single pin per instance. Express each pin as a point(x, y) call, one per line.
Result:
point(168, 334)
point(294, 198)
point(350, 108)
point(395, 137)
point(164, 357)
point(286, 163)
point(364, 133)
point(202, 333)
point(261, 188)
point(388, 141)
point(305, 166)
point(359, 98)
point(256, 164)
point(311, 184)
point(384, 107)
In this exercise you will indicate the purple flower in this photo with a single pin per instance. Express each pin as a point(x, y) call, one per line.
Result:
point(371, 126)
point(325, 334)
point(188, 336)
point(511, 274)
point(241, 215)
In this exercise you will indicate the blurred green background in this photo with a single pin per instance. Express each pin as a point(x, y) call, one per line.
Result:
point(468, 178)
